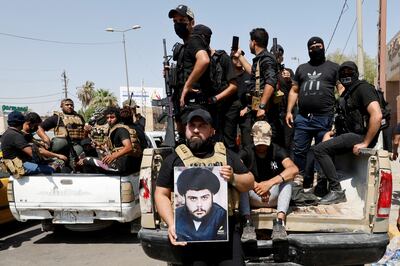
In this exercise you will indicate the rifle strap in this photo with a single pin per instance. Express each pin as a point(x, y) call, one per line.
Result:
point(258, 89)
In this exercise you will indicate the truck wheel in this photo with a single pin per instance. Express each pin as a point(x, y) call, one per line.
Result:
point(48, 226)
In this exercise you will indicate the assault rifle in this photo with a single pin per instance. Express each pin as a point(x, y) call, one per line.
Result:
point(167, 103)
point(275, 51)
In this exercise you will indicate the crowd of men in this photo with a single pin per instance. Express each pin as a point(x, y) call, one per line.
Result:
point(218, 96)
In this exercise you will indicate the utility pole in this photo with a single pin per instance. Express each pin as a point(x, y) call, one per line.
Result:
point(360, 49)
point(65, 81)
point(382, 46)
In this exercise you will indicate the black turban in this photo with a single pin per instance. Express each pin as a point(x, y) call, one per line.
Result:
point(197, 179)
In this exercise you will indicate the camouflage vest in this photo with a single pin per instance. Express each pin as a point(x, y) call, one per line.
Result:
point(218, 159)
point(136, 148)
point(99, 134)
point(73, 126)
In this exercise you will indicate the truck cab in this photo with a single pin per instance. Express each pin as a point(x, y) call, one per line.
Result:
point(348, 233)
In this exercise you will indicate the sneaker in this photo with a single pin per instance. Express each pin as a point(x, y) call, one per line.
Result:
point(278, 230)
point(249, 231)
point(333, 197)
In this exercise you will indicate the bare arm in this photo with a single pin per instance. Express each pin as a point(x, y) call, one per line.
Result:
point(50, 154)
point(374, 124)
point(42, 134)
point(340, 88)
point(28, 150)
point(396, 142)
point(164, 207)
point(246, 65)
point(227, 92)
point(292, 99)
point(127, 148)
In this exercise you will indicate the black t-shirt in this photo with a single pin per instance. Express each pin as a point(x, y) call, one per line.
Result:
point(119, 135)
point(166, 176)
point(317, 87)
point(194, 45)
point(12, 143)
point(264, 168)
point(243, 83)
point(362, 96)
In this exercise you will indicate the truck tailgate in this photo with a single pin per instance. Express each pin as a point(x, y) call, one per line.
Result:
point(70, 191)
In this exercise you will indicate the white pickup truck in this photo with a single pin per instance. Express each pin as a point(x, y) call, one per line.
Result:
point(348, 233)
point(81, 202)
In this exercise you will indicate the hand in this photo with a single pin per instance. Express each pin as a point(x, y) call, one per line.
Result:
point(328, 135)
point(262, 188)
point(62, 157)
point(108, 159)
point(237, 53)
point(244, 111)
point(289, 119)
point(172, 236)
point(286, 74)
point(357, 147)
point(87, 128)
point(260, 114)
point(80, 162)
point(227, 173)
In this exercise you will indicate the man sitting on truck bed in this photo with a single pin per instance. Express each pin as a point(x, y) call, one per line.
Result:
point(123, 153)
point(272, 169)
point(19, 156)
point(357, 126)
point(201, 150)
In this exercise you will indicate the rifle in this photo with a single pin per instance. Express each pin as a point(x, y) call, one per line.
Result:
point(170, 133)
point(278, 94)
point(275, 51)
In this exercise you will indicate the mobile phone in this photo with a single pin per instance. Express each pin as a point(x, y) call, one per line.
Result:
point(235, 43)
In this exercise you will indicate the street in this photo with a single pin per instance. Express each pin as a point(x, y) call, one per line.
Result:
point(25, 243)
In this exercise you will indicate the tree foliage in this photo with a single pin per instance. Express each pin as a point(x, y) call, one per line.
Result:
point(369, 63)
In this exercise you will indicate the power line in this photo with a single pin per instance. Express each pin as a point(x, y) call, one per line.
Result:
point(31, 97)
point(337, 23)
point(53, 41)
point(50, 101)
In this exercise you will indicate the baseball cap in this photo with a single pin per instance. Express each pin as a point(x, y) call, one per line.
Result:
point(15, 118)
point(203, 114)
point(261, 133)
point(181, 10)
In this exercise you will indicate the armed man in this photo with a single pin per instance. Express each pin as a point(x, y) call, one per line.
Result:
point(356, 128)
point(69, 131)
point(313, 87)
point(264, 73)
point(201, 150)
point(20, 155)
point(123, 151)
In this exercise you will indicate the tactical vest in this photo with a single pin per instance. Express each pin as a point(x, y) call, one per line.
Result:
point(73, 126)
point(136, 148)
point(218, 159)
point(99, 134)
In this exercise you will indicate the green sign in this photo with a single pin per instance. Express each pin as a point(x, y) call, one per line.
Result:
point(10, 108)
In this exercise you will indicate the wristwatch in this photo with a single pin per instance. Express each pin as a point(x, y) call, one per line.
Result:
point(262, 106)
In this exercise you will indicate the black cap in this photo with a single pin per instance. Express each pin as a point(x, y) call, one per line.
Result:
point(314, 40)
point(197, 179)
point(203, 114)
point(15, 118)
point(203, 30)
point(183, 11)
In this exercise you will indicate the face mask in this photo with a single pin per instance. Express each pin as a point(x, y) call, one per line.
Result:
point(181, 30)
point(346, 81)
point(317, 55)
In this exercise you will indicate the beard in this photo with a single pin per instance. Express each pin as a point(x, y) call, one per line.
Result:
point(198, 145)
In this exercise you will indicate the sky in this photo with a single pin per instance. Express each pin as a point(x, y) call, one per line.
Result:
point(40, 39)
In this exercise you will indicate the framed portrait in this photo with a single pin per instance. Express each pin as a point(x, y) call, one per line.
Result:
point(200, 204)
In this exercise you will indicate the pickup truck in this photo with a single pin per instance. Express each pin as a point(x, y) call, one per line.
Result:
point(80, 202)
point(348, 233)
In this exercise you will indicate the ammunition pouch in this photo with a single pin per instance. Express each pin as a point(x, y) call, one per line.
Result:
point(15, 167)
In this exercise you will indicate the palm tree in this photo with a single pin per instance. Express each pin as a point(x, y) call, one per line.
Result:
point(104, 98)
point(86, 93)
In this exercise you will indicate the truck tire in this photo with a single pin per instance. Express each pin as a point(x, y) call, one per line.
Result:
point(95, 226)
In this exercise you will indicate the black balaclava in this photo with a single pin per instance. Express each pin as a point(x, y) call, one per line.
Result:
point(317, 55)
point(181, 29)
point(348, 79)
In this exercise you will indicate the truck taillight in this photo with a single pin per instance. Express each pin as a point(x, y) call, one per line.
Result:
point(385, 194)
point(126, 192)
point(10, 192)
